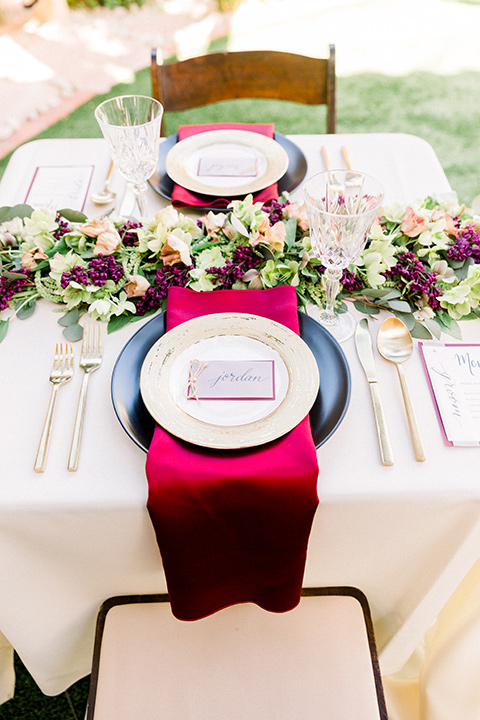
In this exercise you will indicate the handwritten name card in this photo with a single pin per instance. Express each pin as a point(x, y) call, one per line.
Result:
point(231, 380)
point(453, 372)
point(55, 187)
point(224, 166)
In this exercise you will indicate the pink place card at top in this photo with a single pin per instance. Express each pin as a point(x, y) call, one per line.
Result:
point(231, 380)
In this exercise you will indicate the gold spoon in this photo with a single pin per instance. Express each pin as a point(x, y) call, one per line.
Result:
point(106, 195)
point(395, 343)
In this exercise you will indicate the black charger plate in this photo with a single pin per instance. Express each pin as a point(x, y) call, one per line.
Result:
point(297, 169)
point(327, 411)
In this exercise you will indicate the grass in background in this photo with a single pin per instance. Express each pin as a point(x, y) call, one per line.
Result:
point(445, 111)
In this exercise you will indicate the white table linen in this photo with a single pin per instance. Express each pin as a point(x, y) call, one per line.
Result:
point(406, 535)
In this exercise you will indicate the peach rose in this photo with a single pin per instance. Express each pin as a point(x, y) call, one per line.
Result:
point(30, 258)
point(412, 224)
point(450, 226)
point(299, 213)
point(273, 235)
point(136, 286)
point(107, 242)
point(175, 251)
point(95, 227)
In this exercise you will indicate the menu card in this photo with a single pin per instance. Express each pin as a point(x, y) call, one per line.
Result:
point(57, 186)
point(453, 372)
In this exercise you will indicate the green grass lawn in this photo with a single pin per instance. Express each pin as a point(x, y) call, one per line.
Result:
point(445, 111)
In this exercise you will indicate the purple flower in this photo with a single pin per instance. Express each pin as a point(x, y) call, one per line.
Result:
point(165, 278)
point(9, 287)
point(99, 270)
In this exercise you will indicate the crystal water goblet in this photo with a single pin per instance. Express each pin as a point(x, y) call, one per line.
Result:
point(341, 206)
point(131, 126)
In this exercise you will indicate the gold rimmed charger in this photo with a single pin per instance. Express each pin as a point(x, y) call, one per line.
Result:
point(163, 377)
point(269, 157)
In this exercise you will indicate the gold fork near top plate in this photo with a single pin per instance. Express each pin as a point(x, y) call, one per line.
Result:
point(90, 360)
point(62, 372)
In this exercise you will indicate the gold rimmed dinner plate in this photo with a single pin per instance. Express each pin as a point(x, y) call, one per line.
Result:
point(228, 424)
point(262, 160)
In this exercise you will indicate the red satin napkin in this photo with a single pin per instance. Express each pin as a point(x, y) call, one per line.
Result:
point(181, 196)
point(233, 526)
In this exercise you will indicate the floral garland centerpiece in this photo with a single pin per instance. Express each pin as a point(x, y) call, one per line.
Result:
point(421, 262)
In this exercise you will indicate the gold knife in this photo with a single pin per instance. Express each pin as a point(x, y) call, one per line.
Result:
point(363, 343)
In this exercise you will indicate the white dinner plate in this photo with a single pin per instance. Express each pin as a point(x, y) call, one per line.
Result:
point(203, 162)
point(230, 424)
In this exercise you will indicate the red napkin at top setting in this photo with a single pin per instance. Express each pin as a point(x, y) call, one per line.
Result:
point(181, 196)
point(233, 526)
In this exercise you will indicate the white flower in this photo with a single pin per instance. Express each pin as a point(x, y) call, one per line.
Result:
point(201, 283)
point(61, 263)
point(211, 257)
point(106, 308)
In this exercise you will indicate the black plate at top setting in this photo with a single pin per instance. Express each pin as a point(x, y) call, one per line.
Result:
point(327, 411)
point(297, 169)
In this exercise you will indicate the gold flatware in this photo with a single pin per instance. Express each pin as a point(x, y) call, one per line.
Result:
point(62, 372)
point(395, 344)
point(326, 159)
point(363, 343)
point(106, 195)
point(90, 360)
point(346, 158)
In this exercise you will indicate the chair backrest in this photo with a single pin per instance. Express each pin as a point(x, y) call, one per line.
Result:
point(242, 663)
point(252, 74)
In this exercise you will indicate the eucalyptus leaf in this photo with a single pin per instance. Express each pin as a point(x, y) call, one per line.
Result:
point(73, 215)
point(434, 327)
point(399, 305)
point(462, 272)
point(73, 332)
point(21, 211)
point(13, 275)
point(70, 318)
point(364, 308)
point(420, 332)
point(407, 318)
point(454, 330)
point(374, 292)
point(391, 294)
point(26, 310)
point(3, 329)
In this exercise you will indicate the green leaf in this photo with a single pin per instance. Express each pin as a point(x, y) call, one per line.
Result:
point(20, 211)
point(3, 329)
point(392, 293)
point(70, 318)
point(407, 318)
point(374, 292)
point(454, 330)
point(366, 309)
point(462, 272)
point(117, 322)
point(26, 310)
point(73, 332)
point(73, 215)
point(420, 332)
point(13, 275)
point(434, 327)
point(399, 305)
point(291, 232)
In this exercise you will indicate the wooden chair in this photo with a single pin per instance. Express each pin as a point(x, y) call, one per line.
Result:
point(242, 663)
point(253, 74)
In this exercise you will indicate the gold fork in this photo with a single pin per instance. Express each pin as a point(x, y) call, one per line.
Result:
point(90, 360)
point(62, 372)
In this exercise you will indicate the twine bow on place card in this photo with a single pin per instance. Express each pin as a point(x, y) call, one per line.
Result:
point(195, 370)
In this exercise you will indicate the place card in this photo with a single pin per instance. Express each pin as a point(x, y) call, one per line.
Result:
point(453, 372)
point(231, 380)
point(59, 186)
point(227, 166)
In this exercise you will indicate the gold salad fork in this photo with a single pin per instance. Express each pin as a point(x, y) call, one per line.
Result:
point(62, 372)
point(90, 360)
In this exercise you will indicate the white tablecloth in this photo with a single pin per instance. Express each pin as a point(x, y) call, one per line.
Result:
point(406, 535)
